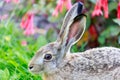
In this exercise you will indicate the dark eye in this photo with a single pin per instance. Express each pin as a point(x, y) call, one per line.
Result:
point(48, 56)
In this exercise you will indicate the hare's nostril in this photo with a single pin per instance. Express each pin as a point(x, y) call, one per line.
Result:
point(30, 67)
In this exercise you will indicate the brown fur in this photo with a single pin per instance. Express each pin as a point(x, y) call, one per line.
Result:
point(94, 64)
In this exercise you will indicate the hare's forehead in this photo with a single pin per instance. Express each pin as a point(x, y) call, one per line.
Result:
point(47, 49)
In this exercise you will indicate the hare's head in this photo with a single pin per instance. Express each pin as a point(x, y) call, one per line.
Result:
point(49, 57)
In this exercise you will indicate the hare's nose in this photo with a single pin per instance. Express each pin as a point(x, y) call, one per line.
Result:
point(31, 67)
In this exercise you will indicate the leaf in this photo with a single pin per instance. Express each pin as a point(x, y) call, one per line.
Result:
point(7, 74)
point(4, 74)
point(41, 41)
point(1, 74)
point(88, 21)
point(93, 1)
point(112, 6)
point(83, 46)
point(117, 21)
point(111, 31)
point(51, 35)
point(101, 40)
point(108, 33)
point(74, 49)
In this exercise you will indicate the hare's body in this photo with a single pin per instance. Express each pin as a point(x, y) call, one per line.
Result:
point(95, 64)
point(56, 63)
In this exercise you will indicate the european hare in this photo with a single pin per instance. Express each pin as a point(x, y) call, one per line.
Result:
point(56, 62)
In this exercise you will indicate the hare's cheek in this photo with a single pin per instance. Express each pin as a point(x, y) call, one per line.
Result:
point(50, 65)
point(40, 61)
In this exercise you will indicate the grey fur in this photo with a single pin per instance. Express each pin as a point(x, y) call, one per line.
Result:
point(94, 64)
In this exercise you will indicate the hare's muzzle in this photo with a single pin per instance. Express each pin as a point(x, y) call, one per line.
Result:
point(35, 68)
point(31, 67)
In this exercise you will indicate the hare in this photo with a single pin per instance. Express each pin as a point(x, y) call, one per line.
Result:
point(55, 61)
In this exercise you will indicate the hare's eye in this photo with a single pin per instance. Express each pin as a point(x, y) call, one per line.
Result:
point(48, 56)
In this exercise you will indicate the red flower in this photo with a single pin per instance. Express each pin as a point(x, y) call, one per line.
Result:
point(27, 24)
point(118, 11)
point(98, 8)
point(93, 32)
point(60, 5)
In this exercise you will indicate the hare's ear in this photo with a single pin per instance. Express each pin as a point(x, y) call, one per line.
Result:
point(73, 27)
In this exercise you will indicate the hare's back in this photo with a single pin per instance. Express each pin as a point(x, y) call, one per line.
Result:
point(98, 59)
point(95, 63)
point(105, 57)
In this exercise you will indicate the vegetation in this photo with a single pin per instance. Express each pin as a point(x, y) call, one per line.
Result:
point(18, 44)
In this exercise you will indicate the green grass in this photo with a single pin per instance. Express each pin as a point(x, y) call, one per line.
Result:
point(14, 57)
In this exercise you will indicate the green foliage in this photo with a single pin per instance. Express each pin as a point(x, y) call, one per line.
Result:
point(51, 35)
point(117, 21)
point(14, 57)
point(4, 74)
point(112, 6)
point(110, 32)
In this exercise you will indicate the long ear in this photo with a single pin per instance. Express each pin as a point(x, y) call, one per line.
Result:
point(73, 27)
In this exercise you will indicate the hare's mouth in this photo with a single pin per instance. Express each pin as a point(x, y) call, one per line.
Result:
point(37, 70)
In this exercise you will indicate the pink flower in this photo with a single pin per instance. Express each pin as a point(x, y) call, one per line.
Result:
point(3, 17)
point(7, 1)
point(118, 11)
point(27, 24)
point(98, 8)
point(14, 1)
point(24, 43)
point(60, 5)
point(68, 4)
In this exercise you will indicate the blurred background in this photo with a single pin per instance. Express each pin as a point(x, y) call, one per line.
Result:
point(27, 25)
